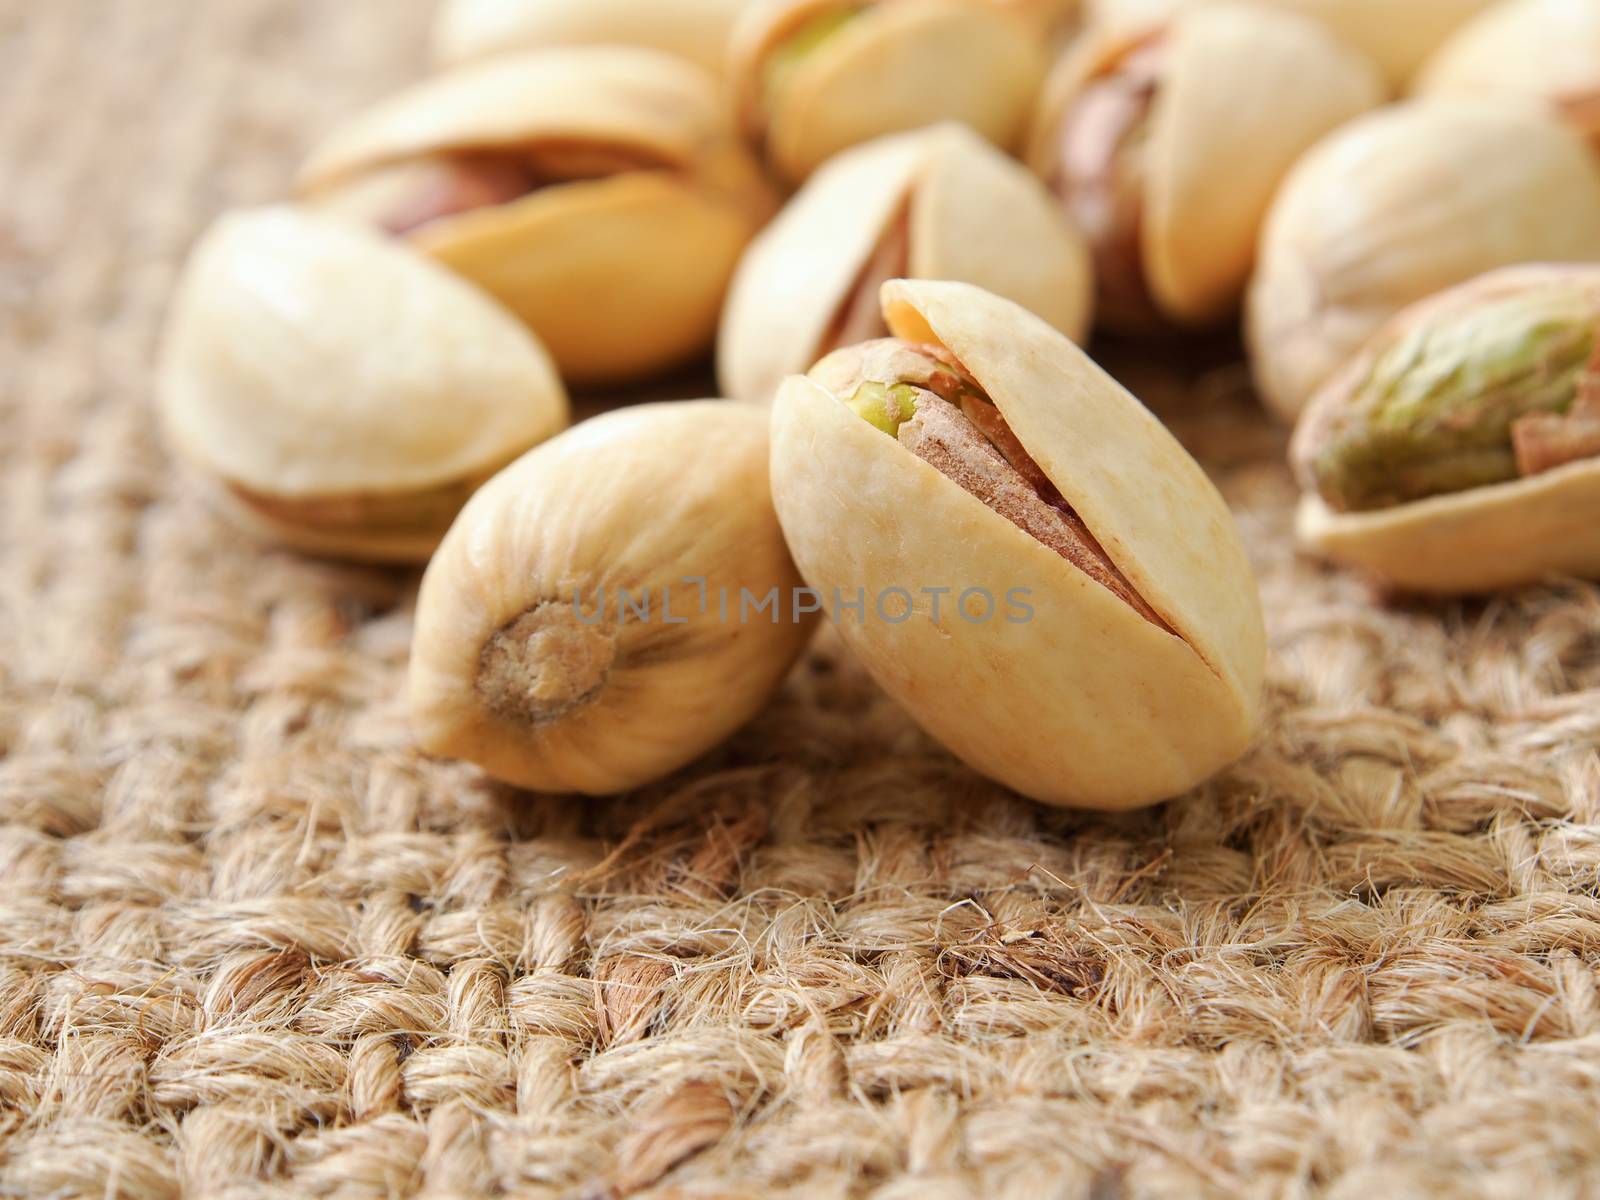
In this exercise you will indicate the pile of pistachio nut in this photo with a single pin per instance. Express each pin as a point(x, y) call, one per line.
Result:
point(891, 225)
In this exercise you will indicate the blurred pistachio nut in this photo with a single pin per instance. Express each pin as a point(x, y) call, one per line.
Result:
point(695, 30)
point(1166, 146)
point(599, 193)
point(1543, 50)
point(1461, 450)
point(924, 205)
point(1043, 577)
point(1398, 35)
point(1401, 204)
point(346, 395)
point(814, 77)
point(611, 606)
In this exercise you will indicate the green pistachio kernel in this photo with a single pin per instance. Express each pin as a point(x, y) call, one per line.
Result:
point(799, 45)
point(1434, 415)
point(883, 406)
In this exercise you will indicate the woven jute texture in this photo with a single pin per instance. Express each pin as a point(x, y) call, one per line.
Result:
point(252, 944)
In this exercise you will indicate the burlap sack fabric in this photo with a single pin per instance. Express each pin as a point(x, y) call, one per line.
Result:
point(251, 944)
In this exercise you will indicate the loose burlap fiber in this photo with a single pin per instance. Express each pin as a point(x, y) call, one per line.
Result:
point(251, 944)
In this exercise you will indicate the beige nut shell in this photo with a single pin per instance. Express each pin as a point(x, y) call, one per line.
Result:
point(899, 66)
point(1246, 90)
point(696, 30)
point(1088, 704)
point(949, 185)
point(1484, 539)
point(621, 277)
point(640, 499)
point(308, 358)
point(1396, 206)
point(1542, 49)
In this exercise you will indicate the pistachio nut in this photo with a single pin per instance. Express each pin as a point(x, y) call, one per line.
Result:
point(696, 30)
point(1461, 450)
point(1546, 50)
point(814, 77)
point(1396, 206)
point(1166, 146)
point(345, 395)
point(610, 606)
point(599, 193)
point(1020, 553)
point(919, 204)
point(1398, 35)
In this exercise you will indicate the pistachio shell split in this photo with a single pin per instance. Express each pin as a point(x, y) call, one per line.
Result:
point(599, 193)
point(1039, 573)
point(1166, 146)
point(815, 77)
point(1547, 50)
point(346, 395)
point(922, 205)
point(1460, 451)
point(610, 606)
point(695, 30)
point(1397, 206)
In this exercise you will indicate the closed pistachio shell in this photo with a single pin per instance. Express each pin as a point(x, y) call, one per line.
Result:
point(1545, 50)
point(1241, 93)
point(1398, 35)
point(815, 77)
point(529, 660)
point(1079, 689)
point(1460, 451)
point(696, 30)
point(1401, 204)
point(618, 257)
point(921, 204)
point(346, 394)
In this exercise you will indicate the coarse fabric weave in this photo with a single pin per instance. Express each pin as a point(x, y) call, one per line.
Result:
point(252, 944)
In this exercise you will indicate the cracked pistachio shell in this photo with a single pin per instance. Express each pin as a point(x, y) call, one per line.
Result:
point(503, 671)
point(885, 67)
point(621, 277)
point(1088, 703)
point(1245, 91)
point(1483, 538)
point(1396, 206)
point(946, 184)
point(344, 393)
point(1398, 35)
point(1545, 50)
point(696, 30)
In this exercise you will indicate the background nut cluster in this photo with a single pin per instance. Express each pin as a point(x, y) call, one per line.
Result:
point(892, 228)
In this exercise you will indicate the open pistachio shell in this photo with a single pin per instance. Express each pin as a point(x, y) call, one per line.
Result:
point(620, 270)
point(532, 655)
point(1242, 92)
point(1401, 204)
point(345, 394)
point(815, 77)
point(696, 30)
point(921, 204)
point(1414, 456)
point(1546, 50)
point(1067, 692)
point(1398, 35)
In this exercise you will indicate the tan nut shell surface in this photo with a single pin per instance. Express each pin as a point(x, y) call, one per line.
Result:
point(1398, 205)
point(1542, 48)
point(951, 184)
point(696, 30)
point(899, 67)
point(1246, 91)
point(1088, 703)
point(309, 358)
point(620, 277)
point(638, 498)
